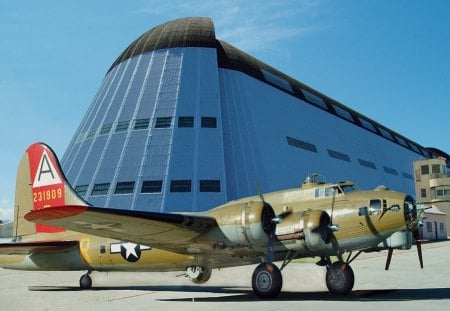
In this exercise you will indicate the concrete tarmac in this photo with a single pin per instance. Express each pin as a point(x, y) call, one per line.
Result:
point(404, 287)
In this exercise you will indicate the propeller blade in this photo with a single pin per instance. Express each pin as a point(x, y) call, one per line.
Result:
point(419, 253)
point(416, 236)
point(388, 259)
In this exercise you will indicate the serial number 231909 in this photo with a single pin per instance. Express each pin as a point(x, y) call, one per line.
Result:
point(47, 195)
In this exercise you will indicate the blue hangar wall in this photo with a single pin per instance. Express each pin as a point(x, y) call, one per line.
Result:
point(185, 122)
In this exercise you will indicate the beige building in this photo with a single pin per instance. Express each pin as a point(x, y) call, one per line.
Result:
point(432, 181)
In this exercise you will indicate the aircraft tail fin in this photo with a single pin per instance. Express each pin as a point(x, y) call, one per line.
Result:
point(40, 184)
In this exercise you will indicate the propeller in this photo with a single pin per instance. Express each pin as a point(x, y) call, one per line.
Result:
point(412, 221)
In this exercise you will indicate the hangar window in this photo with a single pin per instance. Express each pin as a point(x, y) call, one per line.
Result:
point(122, 126)
point(180, 185)
point(124, 187)
point(185, 121)
point(338, 155)
point(141, 124)
point(81, 137)
point(367, 164)
point(386, 134)
point(209, 122)
point(314, 99)
point(390, 170)
point(408, 176)
point(277, 81)
point(100, 189)
point(163, 122)
point(402, 141)
point(106, 128)
point(151, 186)
point(91, 133)
point(415, 148)
point(367, 125)
point(343, 113)
point(301, 144)
point(209, 185)
point(81, 190)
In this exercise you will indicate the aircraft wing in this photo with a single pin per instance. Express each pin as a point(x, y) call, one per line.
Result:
point(25, 248)
point(174, 232)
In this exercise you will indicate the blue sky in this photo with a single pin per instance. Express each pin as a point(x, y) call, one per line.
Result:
point(389, 60)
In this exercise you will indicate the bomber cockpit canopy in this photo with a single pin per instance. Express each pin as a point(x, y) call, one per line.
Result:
point(315, 185)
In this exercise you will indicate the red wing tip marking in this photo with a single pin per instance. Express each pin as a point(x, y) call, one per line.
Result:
point(55, 212)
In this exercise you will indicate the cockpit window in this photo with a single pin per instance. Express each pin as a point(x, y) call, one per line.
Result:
point(348, 188)
point(327, 192)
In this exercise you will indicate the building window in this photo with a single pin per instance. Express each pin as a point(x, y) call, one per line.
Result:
point(209, 122)
point(163, 122)
point(367, 164)
point(423, 193)
point(181, 185)
point(106, 128)
point(185, 121)
point(209, 185)
point(81, 190)
point(141, 124)
point(425, 169)
point(126, 187)
point(418, 176)
point(429, 226)
point(151, 186)
point(301, 144)
point(441, 227)
point(338, 155)
point(100, 189)
point(390, 170)
point(122, 126)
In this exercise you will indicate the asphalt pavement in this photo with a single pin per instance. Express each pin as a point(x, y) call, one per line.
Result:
point(404, 287)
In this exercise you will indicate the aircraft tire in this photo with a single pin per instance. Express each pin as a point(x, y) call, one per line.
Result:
point(267, 281)
point(199, 275)
point(340, 278)
point(85, 281)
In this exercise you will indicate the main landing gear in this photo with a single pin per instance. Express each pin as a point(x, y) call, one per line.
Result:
point(267, 280)
point(340, 278)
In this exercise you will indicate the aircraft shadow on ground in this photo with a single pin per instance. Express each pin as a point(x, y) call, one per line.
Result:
point(239, 294)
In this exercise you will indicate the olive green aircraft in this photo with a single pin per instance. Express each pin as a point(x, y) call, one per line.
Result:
point(55, 229)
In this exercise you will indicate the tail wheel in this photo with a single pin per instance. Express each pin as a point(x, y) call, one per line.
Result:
point(85, 281)
point(267, 281)
point(340, 278)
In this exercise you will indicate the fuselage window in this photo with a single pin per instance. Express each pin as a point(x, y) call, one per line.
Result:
point(375, 206)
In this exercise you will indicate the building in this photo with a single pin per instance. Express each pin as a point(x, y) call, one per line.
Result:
point(432, 183)
point(184, 122)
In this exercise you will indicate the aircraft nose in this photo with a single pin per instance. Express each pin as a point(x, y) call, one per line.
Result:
point(410, 214)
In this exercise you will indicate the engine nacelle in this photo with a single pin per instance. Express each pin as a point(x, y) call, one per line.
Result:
point(309, 230)
point(245, 224)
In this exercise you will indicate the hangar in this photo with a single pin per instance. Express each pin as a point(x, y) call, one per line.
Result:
point(183, 121)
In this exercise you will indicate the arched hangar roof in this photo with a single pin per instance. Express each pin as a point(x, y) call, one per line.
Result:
point(200, 32)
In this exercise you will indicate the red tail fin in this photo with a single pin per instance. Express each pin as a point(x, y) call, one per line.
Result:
point(41, 184)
